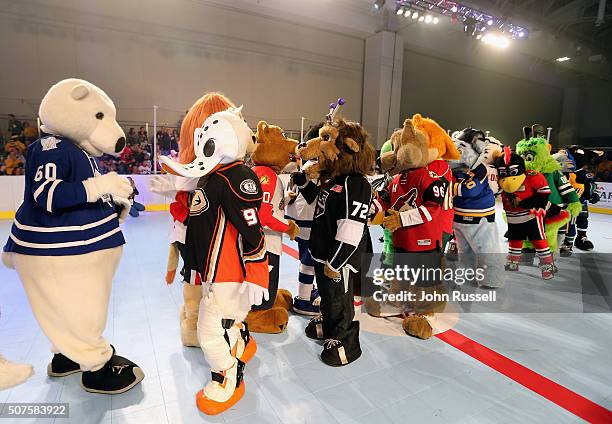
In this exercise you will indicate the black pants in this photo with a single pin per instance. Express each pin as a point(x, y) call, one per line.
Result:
point(274, 262)
point(337, 308)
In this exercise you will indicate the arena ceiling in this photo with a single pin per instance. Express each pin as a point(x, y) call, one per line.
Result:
point(575, 19)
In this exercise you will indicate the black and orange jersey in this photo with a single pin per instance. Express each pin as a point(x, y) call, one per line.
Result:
point(225, 240)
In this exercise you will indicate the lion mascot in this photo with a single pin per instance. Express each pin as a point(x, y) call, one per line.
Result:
point(338, 235)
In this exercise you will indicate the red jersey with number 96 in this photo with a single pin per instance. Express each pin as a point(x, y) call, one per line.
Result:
point(225, 240)
point(423, 199)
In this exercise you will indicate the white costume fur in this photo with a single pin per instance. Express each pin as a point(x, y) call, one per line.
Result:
point(70, 301)
point(69, 295)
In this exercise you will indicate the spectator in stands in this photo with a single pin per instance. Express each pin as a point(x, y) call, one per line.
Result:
point(14, 162)
point(142, 135)
point(173, 139)
point(15, 126)
point(15, 143)
point(126, 154)
point(165, 141)
point(131, 137)
point(30, 133)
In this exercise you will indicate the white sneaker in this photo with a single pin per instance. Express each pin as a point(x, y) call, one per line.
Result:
point(12, 374)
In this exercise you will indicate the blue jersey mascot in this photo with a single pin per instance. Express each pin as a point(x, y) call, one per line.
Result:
point(474, 190)
point(66, 242)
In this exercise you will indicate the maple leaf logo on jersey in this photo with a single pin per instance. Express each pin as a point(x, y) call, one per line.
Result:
point(49, 143)
point(199, 203)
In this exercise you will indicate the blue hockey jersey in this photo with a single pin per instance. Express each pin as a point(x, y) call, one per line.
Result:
point(55, 218)
point(473, 198)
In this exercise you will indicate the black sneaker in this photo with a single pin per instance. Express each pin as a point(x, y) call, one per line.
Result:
point(336, 354)
point(118, 375)
point(61, 366)
point(314, 329)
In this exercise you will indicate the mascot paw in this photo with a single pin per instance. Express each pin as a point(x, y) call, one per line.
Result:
point(330, 273)
point(269, 321)
point(284, 299)
point(7, 260)
point(293, 231)
point(417, 326)
point(189, 329)
point(393, 221)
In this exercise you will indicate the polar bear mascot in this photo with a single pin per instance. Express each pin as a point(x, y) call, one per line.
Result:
point(65, 242)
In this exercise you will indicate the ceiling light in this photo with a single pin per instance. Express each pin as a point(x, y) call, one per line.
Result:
point(436, 20)
point(490, 22)
point(428, 19)
point(454, 9)
point(399, 11)
point(496, 40)
point(563, 59)
point(521, 34)
point(407, 13)
point(421, 18)
point(415, 15)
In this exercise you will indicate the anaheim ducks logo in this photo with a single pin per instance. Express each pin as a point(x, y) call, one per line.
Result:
point(199, 203)
point(248, 187)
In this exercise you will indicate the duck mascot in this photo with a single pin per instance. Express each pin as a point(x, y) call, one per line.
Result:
point(225, 245)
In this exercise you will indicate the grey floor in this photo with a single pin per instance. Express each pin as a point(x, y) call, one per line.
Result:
point(397, 380)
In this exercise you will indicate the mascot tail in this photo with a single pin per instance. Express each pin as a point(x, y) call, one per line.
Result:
point(173, 258)
point(552, 226)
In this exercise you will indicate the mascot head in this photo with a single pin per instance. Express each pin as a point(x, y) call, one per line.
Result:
point(205, 106)
point(566, 160)
point(224, 137)
point(536, 153)
point(273, 148)
point(465, 142)
point(82, 112)
point(342, 148)
point(417, 144)
point(535, 149)
point(584, 157)
point(510, 170)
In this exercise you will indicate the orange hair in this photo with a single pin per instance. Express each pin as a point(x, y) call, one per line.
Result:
point(438, 138)
point(205, 106)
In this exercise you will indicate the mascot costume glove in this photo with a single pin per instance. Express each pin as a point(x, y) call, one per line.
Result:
point(257, 294)
point(110, 183)
point(230, 260)
point(65, 189)
point(168, 185)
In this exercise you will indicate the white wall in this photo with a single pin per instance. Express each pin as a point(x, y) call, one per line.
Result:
point(170, 52)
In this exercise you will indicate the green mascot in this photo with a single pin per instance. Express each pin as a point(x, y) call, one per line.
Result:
point(387, 235)
point(564, 201)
